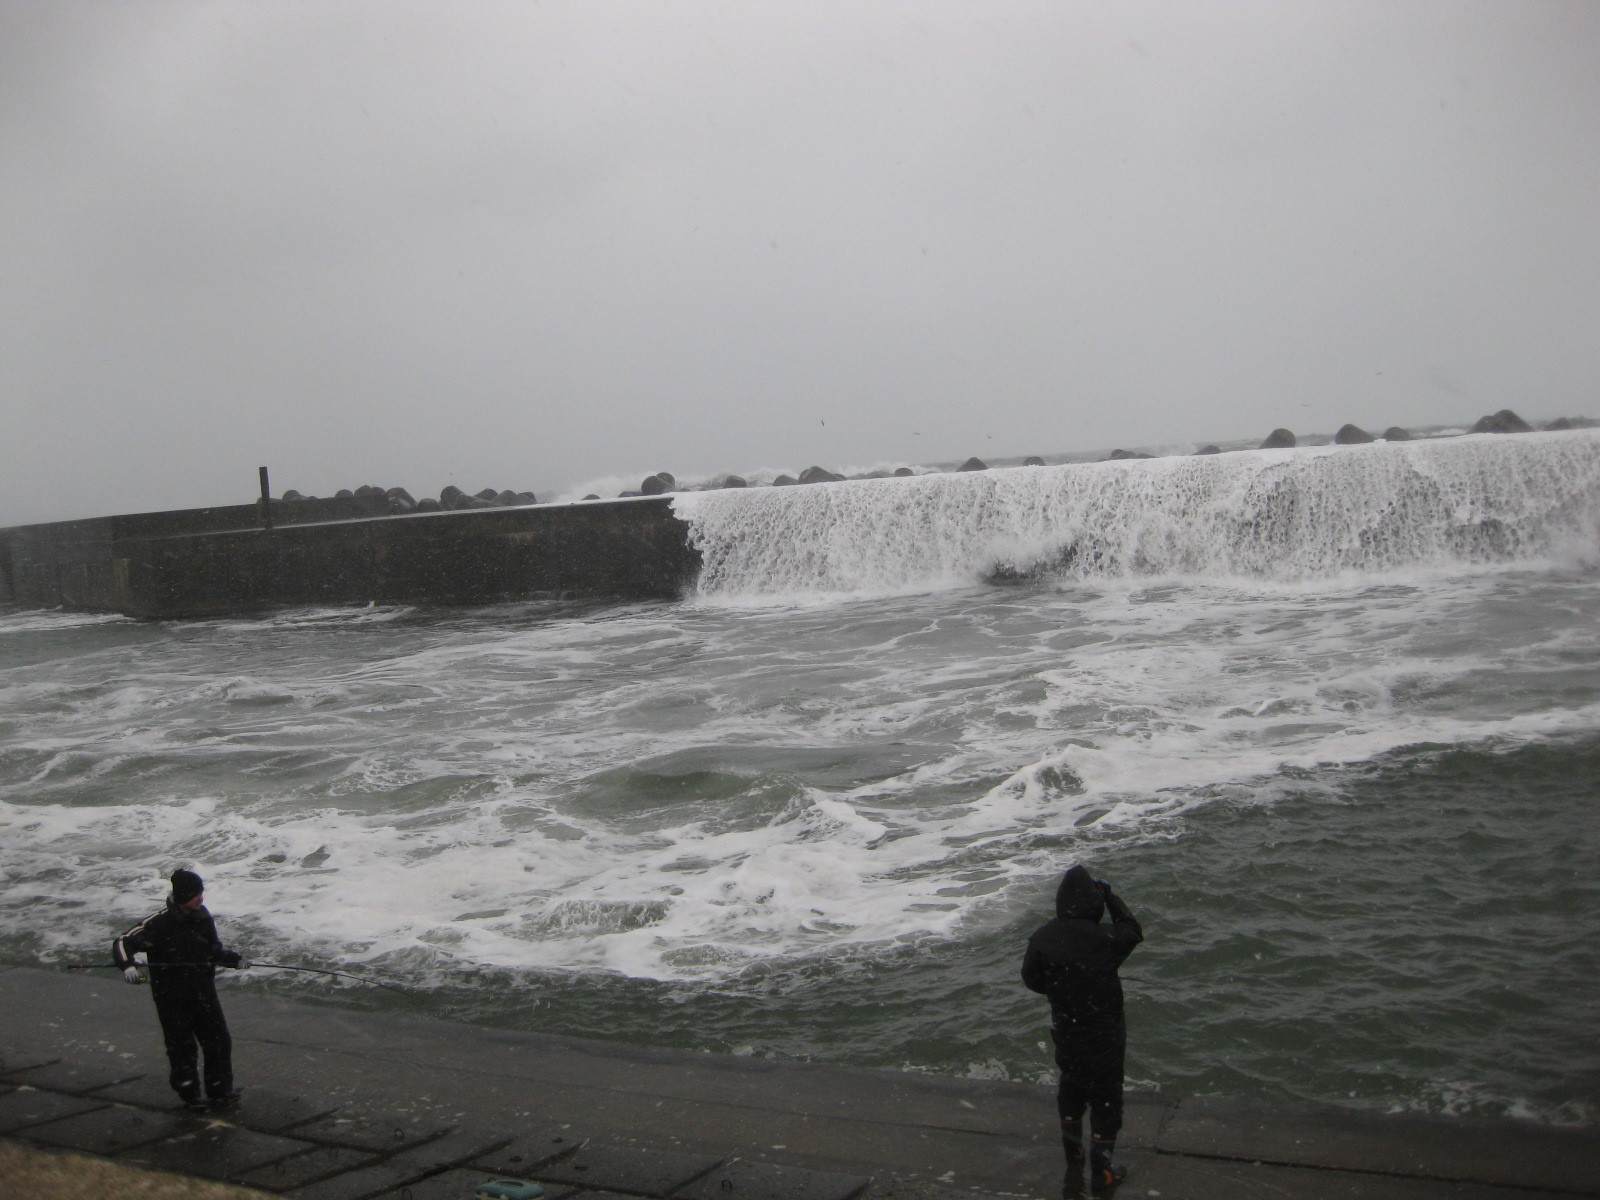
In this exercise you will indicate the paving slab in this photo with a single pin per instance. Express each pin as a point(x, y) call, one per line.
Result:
point(108, 1130)
point(742, 1179)
point(274, 1111)
point(74, 1077)
point(28, 1106)
point(1399, 1144)
point(382, 1131)
point(15, 1060)
point(387, 1175)
point(528, 1151)
point(460, 1146)
point(895, 1187)
point(1179, 1177)
point(266, 1109)
point(458, 1184)
point(1024, 1159)
point(627, 1169)
point(300, 1169)
point(146, 1091)
point(216, 1152)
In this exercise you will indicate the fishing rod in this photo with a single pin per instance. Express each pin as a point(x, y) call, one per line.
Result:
point(1150, 983)
point(271, 966)
point(341, 974)
point(393, 988)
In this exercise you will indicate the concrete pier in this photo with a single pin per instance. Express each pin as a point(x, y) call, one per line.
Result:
point(219, 561)
point(349, 1105)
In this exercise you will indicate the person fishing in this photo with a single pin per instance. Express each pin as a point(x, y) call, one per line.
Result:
point(1073, 960)
point(182, 949)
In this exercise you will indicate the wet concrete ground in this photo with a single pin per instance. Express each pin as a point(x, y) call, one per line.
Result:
point(346, 1105)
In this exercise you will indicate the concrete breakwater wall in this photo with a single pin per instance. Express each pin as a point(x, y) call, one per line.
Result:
point(215, 561)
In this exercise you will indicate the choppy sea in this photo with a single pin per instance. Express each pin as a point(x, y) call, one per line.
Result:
point(1329, 719)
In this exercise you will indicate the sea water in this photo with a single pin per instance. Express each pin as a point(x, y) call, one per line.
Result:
point(1328, 719)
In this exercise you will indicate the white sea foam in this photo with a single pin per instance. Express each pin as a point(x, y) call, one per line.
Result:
point(35, 621)
point(318, 618)
point(1269, 514)
point(615, 793)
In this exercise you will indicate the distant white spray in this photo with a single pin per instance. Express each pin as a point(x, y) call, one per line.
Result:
point(1268, 514)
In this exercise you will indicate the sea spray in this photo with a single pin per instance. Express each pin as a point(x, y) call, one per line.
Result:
point(1266, 515)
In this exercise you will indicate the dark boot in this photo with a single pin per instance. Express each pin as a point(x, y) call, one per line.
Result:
point(1104, 1175)
point(1072, 1144)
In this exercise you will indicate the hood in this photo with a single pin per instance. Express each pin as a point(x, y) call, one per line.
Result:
point(1078, 897)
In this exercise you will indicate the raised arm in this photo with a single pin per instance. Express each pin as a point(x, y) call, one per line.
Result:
point(1125, 930)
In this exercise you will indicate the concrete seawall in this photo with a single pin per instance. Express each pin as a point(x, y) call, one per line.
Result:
point(217, 561)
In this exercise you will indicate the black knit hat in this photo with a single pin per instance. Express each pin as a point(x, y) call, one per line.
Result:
point(186, 885)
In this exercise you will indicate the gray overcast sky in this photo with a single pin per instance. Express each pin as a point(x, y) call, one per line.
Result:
point(530, 244)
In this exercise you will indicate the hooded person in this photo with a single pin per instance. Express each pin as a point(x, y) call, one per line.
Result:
point(1073, 960)
point(182, 952)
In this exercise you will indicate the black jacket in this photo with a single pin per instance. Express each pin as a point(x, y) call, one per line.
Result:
point(182, 948)
point(1073, 959)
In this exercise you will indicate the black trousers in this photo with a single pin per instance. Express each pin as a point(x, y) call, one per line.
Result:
point(192, 1023)
point(1090, 1058)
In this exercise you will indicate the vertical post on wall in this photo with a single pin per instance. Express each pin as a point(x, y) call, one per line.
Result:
point(266, 501)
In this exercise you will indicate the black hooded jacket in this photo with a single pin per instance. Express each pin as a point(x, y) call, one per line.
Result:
point(182, 948)
point(1073, 959)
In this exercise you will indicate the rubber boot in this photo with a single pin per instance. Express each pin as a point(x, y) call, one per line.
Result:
point(189, 1097)
point(1104, 1175)
point(1072, 1144)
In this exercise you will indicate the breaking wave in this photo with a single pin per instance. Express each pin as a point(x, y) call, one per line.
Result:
point(1266, 514)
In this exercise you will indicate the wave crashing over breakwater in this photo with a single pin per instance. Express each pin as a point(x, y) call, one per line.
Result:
point(1267, 514)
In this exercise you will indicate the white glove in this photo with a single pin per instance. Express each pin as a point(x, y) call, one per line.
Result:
point(132, 975)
